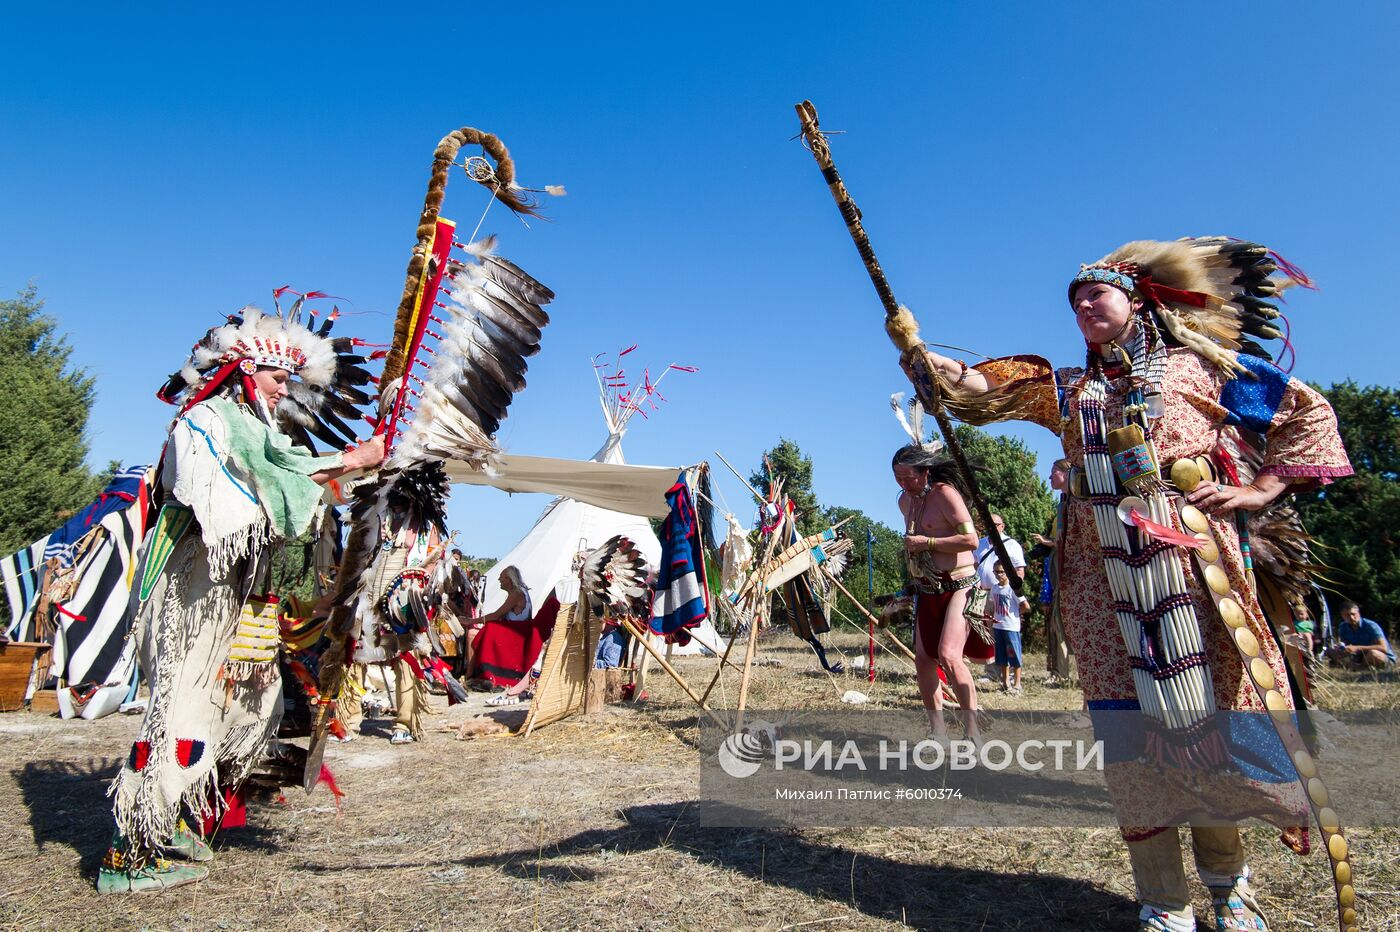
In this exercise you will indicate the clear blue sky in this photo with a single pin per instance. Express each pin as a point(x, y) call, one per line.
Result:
point(162, 167)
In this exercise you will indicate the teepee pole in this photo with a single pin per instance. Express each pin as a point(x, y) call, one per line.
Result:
point(754, 620)
point(672, 671)
point(733, 636)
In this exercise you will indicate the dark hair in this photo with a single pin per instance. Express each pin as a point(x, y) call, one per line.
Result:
point(938, 466)
point(1346, 607)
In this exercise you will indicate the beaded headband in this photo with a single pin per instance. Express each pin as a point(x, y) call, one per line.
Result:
point(265, 351)
point(1107, 276)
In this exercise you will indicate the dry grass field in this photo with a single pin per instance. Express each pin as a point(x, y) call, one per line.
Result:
point(591, 825)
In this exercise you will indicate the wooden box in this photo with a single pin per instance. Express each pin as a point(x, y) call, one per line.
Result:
point(44, 702)
point(16, 667)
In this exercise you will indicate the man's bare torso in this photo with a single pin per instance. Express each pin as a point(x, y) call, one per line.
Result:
point(931, 519)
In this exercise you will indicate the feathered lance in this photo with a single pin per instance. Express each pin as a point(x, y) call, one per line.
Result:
point(414, 307)
point(897, 328)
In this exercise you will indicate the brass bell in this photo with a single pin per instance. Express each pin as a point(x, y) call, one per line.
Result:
point(1207, 468)
point(1337, 847)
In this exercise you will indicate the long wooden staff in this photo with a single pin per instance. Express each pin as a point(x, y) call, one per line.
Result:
point(928, 394)
point(425, 270)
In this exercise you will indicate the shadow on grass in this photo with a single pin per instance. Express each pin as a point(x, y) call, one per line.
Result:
point(933, 896)
point(68, 805)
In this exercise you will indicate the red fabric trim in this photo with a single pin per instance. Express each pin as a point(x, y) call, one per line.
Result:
point(1315, 477)
point(929, 611)
point(235, 815)
point(506, 650)
point(328, 779)
point(442, 249)
point(209, 387)
point(1165, 534)
point(1333, 472)
point(1162, 294)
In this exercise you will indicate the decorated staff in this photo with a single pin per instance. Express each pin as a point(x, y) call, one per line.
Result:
point(899, 321)
point(1157, 590)
point(466, 323)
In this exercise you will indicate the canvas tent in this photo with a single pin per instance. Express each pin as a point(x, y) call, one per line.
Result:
point(568, 526)
point(598, 499)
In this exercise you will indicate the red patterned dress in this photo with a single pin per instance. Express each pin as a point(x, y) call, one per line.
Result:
point(1200, 404)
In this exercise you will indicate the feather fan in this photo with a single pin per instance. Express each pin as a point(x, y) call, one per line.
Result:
point(491, 324)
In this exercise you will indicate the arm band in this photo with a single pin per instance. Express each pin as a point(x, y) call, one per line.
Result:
point(966, 527)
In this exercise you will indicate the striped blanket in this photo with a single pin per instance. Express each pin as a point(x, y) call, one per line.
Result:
point(682, 596)
point(97, 550)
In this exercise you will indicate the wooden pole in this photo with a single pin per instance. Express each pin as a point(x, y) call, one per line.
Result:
point(734, 635)
point(928, 394)
point(672, 671)
point(752, 491)
point(758, 596)
point(948, 694)
point(755, 618)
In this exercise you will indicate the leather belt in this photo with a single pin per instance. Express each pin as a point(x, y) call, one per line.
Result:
point(945, 582)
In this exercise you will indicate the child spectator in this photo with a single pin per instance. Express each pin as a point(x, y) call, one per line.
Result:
point(1305, 629)
point(1006, 629)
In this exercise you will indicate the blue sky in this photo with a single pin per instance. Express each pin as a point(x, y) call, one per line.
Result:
point(164, 166)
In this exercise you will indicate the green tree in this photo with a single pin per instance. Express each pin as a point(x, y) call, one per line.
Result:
point(795, 469)
point(1355, 520)
point(887, 551)
point(1011, 483)
point(480, 564)
point(44, 407)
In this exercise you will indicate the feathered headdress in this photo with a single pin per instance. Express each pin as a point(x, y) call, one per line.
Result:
point(1212, 294)
point(615, 573)
point(326, 398)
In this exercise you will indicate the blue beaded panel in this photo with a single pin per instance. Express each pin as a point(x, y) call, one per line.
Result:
point(1253, 402)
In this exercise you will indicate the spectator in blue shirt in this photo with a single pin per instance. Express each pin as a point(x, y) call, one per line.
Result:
point(1363, 643)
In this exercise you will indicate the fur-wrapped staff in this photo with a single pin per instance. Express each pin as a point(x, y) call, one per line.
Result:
point(449, 376)
point(899, 322)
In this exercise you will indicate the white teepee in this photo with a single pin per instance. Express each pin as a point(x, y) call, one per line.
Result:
point(569, 526)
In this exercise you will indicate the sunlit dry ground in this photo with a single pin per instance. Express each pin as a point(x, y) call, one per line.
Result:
point(590, 824)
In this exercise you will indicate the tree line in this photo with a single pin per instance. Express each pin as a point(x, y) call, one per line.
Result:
point(45, 404)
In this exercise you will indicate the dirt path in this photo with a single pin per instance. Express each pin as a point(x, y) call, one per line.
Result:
point(587, 825)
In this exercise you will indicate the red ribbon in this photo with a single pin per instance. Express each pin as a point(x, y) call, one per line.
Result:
point(1161, 532)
